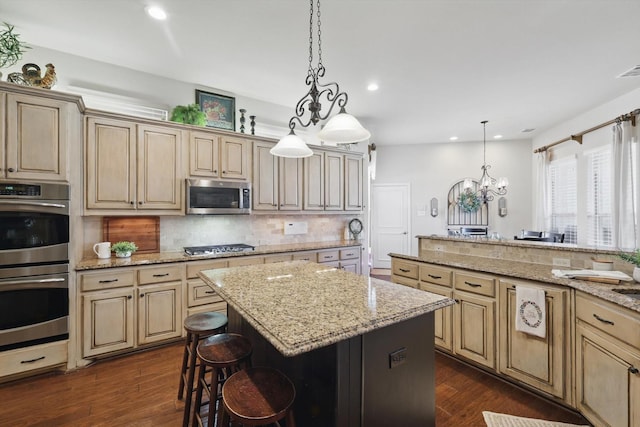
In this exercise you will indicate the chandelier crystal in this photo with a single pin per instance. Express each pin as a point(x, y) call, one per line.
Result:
point(488, 187)
point(343, 128)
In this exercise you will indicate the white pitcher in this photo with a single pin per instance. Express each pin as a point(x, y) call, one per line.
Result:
point(102, 249)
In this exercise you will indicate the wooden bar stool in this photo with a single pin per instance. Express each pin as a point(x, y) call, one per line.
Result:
point(223, 354)
point(258, 397)
point(198, 327)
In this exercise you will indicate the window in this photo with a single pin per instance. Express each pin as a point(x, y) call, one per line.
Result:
point(599, 200)
point(562, 191)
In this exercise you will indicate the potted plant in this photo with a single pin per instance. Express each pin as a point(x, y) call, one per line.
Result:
point(11, 48)
point(633, 258)
point(124, 249)
point(189, 114)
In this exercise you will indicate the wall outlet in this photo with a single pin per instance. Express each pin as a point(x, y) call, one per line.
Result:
point(397, 358)
point(295, 228)
point(562, 262)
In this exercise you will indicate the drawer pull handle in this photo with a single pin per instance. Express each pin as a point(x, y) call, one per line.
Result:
point(33, 360)
point(108, 281)
point(209, 292)
point(327, 257)
point(608, 322)
point(435, 277)
point(633, 370)
point(404, 270)
point(161, 275)
point(473, 285)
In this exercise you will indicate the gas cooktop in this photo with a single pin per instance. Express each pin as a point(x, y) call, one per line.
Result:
point(218, 249)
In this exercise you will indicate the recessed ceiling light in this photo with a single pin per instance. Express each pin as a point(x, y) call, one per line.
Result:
point(453, 138)
point(527, 130)
point(156, 13)
point(497, 136)
point(372, 87)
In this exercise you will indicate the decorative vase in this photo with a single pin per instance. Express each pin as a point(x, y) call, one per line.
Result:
point(123, 254)
point(636, 274)
point(253, 124)
point(242, 119)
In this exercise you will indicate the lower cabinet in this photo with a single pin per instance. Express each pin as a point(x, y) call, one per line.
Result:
point(543, 363)
point(33, 359)
point(607, 363)
point(474, 328)
point(200, 296)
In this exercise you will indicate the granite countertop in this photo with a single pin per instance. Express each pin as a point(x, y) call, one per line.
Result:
point(528, 271)
point(299, 306)
point(180, 256)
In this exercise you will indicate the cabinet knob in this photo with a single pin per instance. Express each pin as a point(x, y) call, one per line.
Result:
point(141, 295)
point(129, 297)
point(131, 202)
point(633, 370)
point(11, 170)
point(215, 171)
point(224, 171)
point(457, 300)
point(140, 202)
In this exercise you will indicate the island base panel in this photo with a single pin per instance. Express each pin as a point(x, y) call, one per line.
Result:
point(351, 383)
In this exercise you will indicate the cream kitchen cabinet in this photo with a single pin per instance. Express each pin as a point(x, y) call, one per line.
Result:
point(18, 362)
point(543, 363)
point(218, 156)
point(353, 185)
point(124, 308)
point(437, 280)
point(133, 168)
point(607, 362)
point(200, 297)
point(324, 181)
point(39, 132)
point(277, 181)
point(350, 260)
point(405, 272)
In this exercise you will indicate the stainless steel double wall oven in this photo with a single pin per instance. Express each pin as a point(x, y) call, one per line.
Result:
point(34, 263)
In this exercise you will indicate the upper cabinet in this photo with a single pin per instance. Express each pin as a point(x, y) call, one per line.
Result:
point(38, 134)
point(133, 167)
point(217, 156)
point(353, 184)
point(277, 181)
point(324, 181)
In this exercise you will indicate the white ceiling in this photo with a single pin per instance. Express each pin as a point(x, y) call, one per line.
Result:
point(442, 65)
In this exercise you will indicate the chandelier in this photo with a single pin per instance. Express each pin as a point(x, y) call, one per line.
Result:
point(343, 128)
point(487, 185)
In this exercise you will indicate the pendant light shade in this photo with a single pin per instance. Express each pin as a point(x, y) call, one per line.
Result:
point(343, 128)
point(291, 146)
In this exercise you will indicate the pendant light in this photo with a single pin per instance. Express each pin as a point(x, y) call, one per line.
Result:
point(488, 186)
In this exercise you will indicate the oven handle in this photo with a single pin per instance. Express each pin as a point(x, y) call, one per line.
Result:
point(40, 204)
point(32, 284)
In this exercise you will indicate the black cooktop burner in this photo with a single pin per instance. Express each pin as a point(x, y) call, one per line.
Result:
point(218, 249)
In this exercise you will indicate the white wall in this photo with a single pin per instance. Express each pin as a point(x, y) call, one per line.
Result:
point(431, 170)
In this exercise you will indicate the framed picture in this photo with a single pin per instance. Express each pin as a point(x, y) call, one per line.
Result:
point(220, 109)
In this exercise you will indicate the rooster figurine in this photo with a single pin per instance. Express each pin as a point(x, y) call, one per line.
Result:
point(30, 76)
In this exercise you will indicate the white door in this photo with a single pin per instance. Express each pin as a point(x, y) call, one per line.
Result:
point(389, 222)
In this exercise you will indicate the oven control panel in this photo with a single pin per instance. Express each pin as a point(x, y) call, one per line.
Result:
point(29, 190)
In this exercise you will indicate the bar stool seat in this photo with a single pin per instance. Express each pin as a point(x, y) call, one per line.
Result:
point(223, 354)
point(198, 327)
point(257, 397)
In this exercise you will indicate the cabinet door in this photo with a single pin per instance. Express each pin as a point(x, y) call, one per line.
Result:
point(159, 172)
point(37, 133)
point(353, 188)
point(265, 178)
point(234, 161)
point(111, 164)
point(334, 182)
point(314, 182)
point(608, 382)
point(107, 323)
point(442, 317)
point(204, 154)
point(540, 362)
point(290, 184)
point(474, 328)
point(159, 312)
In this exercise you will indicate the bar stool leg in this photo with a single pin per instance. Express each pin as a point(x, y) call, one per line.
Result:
point(185, 360)
point(199, 388)
point(193, 345)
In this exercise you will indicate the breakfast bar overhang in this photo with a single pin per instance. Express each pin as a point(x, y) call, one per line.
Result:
point(358, 349)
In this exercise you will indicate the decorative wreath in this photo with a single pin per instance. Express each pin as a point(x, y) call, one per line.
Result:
point(469, 202)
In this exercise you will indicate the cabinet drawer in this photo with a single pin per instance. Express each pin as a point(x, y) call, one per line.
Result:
point(193, 268)
point(306, 256)
point(277, 258)
point(198, 293)
point(404, 281)
point(349, 253)
point(106, 280)
point(406, 269)
point(610, 318)
point(437, 275)
point(32, 358)
point(475, 283)
point(328, 256)
point(159, 274)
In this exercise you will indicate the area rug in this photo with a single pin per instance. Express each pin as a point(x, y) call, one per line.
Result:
point(502, 420)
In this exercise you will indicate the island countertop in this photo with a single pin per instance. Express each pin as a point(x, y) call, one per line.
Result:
point(299, 306)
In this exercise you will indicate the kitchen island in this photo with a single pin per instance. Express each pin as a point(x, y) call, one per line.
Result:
point(359, 350)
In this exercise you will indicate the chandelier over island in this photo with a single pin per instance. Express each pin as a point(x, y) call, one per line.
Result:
point(487, 186)
point(343, 128)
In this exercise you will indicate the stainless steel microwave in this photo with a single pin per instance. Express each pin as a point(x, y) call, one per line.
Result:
point(216, 197)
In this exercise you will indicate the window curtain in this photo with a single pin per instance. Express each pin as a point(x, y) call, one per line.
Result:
point(543, 211)
point(625, 185)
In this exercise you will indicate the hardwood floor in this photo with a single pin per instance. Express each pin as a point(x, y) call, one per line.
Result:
point(141, 390)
